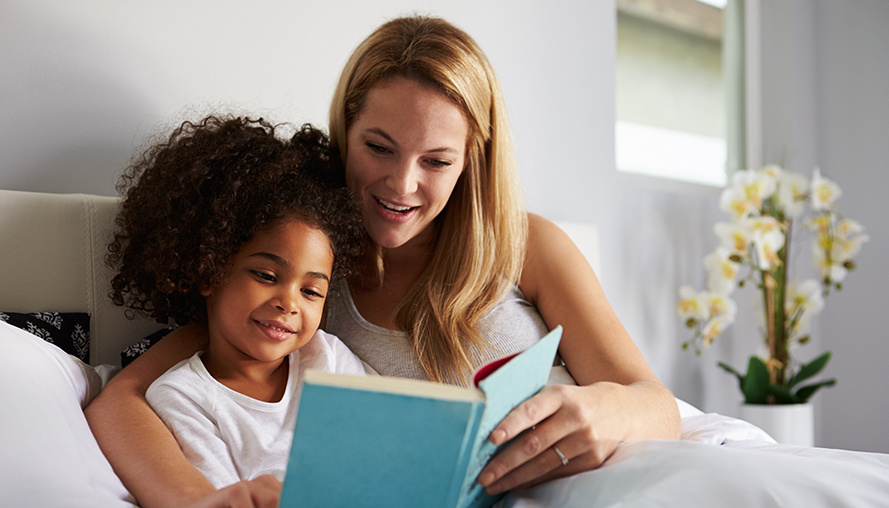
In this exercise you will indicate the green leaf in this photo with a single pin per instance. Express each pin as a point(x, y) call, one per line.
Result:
point(737, 374)
point(756, 383)
point(810, 369)
point(783, 394)
point(807, 391)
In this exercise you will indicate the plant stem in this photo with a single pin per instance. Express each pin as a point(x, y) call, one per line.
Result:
point(781, 352)
point(768, 289)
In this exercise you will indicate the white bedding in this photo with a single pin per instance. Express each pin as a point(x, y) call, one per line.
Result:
point(49, 458)
point(745, 473)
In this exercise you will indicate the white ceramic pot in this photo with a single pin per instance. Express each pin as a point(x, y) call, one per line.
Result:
point(787, 423)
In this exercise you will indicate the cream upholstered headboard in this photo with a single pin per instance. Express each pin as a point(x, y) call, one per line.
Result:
point(586, 236)
point(52, 259)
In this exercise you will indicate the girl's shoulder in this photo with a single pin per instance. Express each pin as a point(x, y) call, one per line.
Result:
point(327, 352)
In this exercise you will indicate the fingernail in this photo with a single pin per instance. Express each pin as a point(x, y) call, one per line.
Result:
point(492, 489)
point(498, 436)
point(485, 478)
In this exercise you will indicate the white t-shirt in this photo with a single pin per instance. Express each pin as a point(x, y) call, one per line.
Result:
point(229, 436)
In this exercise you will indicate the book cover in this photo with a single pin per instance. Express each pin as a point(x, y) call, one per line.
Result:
point(364, 441)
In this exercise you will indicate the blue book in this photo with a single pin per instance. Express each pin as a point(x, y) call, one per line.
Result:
point(368, 441)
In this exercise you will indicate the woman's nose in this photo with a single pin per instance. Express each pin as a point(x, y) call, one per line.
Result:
point(403, 178)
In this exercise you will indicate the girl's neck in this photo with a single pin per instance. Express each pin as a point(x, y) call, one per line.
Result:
point(259, 380)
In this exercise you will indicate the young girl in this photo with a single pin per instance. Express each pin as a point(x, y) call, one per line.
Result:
point(229, 226)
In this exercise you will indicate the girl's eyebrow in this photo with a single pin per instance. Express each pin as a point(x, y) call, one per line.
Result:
point(274, 258)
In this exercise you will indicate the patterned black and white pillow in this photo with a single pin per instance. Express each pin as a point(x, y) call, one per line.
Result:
point(135, 350)
point(70, 331)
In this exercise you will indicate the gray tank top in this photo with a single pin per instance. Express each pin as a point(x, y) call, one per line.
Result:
point(510, 327)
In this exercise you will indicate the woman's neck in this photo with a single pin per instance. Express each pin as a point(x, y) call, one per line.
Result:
point(401, 269)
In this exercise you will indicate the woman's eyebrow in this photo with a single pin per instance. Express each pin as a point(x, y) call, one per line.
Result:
point(382, 133)
point(387, 137)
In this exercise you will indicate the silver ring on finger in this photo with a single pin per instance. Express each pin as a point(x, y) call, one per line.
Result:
point(561, 455)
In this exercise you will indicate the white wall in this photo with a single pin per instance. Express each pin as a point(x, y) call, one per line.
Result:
point(83, 83)
point(853, 141)
point(825, 71)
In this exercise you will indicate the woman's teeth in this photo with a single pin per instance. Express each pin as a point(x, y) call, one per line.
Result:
point(393, 207)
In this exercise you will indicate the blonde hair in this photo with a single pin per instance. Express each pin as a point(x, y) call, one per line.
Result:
point(483, 229)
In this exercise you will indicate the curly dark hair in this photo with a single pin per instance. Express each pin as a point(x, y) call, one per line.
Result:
point(192, 201)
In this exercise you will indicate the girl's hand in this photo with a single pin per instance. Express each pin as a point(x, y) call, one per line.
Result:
point(261, 492)
point(585, 423)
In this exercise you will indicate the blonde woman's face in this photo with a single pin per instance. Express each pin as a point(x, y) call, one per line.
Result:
point(406, 151)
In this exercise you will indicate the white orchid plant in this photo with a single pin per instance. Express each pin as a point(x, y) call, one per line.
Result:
point(754, 250)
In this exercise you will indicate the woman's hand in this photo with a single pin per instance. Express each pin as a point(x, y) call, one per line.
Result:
point(618, 398)
point(261, 492)
point(584, 423)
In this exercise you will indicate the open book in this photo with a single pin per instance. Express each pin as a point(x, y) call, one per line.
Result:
point(363, 441)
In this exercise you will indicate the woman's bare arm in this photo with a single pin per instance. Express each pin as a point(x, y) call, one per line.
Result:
point(141, 449)
point(618, 398)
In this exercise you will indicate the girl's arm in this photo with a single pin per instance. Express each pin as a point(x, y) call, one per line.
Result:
point(618, 398)
point(141, 449)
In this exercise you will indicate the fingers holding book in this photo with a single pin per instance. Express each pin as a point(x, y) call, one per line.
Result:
point(555, 438)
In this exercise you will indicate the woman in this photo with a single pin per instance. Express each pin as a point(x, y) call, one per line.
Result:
point(461, 274)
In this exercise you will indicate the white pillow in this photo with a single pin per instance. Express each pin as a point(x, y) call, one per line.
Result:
point(49, 456)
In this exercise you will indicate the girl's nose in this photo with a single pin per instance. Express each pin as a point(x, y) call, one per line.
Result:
point(286, 302)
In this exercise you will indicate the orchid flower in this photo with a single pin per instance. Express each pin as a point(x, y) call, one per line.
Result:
point(825, 192)
point(768, 239)
point(744, 198)
point(792, 189)
point(719, 304)
point(735, 236)
point(835, 244)
point(714, 329)
point(774, 171)
point(804, 300)
point(721, 270)
point(692, 306)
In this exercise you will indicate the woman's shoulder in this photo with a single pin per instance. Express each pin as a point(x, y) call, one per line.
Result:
point(541, 229)
point(550, 254)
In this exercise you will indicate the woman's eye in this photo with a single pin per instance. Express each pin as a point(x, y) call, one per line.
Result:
point(377, 148)
point(439, 163)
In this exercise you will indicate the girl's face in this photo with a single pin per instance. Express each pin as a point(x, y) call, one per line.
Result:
point(406, 150)
point(271, 302)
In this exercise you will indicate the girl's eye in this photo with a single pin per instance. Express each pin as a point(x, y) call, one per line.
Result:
point(312, 293)
point(264, 276)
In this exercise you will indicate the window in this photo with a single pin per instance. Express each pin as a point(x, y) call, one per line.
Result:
point(678, 70)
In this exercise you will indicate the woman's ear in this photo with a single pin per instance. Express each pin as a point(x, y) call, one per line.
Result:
point(205, 290)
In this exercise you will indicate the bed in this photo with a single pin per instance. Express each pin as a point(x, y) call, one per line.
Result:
point(52, 273)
